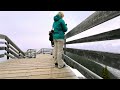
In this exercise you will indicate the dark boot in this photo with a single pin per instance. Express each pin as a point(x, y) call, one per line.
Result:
point(56, 64)
point(62, 66)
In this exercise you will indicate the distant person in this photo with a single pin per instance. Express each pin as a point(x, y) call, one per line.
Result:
point(51, 37)
point(59, 30)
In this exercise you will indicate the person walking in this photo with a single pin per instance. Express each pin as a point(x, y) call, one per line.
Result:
point(58, 36)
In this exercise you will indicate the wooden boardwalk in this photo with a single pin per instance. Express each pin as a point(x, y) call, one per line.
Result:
point(41, 67)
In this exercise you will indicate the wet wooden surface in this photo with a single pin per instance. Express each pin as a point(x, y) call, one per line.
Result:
point(41, 67)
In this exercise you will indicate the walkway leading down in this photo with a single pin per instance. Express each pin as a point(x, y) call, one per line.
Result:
point(91, 63)
point(41, 67)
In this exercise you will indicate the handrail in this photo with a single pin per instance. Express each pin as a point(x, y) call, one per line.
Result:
point(109, 59)
point(8, 40)
point(43, 50)
point(2, 36)
point(2, 55)
point(81, 68)
point(110, 35)
point(11, 48)
point(88, 58)
point(92, 21)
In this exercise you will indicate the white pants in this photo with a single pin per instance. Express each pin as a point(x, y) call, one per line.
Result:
point(58, 51)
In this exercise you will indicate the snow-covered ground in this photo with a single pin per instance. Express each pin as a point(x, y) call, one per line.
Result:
point(77, 73)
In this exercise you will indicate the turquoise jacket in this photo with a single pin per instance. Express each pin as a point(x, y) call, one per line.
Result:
point(59, 27)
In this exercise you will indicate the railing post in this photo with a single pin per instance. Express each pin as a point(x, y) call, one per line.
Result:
point(7, 51)
point(64, 45)
point(19, 54)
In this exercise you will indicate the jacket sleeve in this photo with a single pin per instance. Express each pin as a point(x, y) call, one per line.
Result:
point(64, 26)
point(53, 26)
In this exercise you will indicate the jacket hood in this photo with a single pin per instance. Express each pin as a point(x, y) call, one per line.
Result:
point(56, 18)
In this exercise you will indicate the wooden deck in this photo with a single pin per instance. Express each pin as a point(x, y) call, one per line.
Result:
point(41, 67)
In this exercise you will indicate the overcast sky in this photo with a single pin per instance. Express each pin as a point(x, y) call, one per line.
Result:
point(29, 29)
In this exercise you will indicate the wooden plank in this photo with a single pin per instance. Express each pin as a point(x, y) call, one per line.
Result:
point(12, 48)
point(14, 61)
point(76, 61)
point(53, 70)
point(24, 74)
point(39, 74)
point(22, 77)
point(41, 77)
point(86, 72)
point(61, 75)
point(13, 53)
point(71, 77)
point(35, 72)
point(2, 55)
point(109, 59)
point(93, 20)
point(111, 35)
point(27, 64)
point(14, 69)
point(32, 68)
point(17, 64)
point(9, 55)
point(2, 48)
point(23, 69)
point(2, 36)
point(46, 76)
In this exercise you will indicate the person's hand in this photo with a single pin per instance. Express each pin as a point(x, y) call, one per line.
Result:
point(52, 30)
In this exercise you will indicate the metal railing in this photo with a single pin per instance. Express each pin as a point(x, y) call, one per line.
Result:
point(13, 51)
point(31, 53)
point(45, 51)
point(89, 62)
